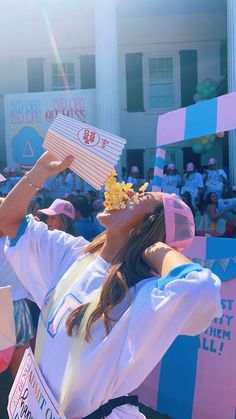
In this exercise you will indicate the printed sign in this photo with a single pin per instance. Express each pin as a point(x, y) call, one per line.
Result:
point(196, 378)
point(30, 396)
point(29, 115)
point(95, 152)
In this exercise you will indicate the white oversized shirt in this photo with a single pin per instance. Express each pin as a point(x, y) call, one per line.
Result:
point(214, 183)
point(170, 184)
point(111, 365)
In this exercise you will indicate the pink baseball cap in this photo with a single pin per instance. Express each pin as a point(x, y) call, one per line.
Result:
point(179, 222)
point(190, 167)
point(58, 207)
point(212, 161)
point(171, 166)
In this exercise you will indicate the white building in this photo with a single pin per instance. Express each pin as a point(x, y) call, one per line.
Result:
point(150, 56)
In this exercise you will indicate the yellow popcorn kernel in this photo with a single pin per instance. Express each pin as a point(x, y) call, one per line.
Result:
point(136, 199)
point(144, 187)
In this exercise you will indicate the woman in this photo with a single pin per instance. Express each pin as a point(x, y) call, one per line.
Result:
point(128, 293)
point(214, 179)
point(60, 216)
point(213, 221)
point(134, 177)
point(170, 182)
point(193, 183)
point(187, 198)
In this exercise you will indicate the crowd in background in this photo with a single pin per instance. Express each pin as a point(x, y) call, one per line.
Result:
point(205, 190)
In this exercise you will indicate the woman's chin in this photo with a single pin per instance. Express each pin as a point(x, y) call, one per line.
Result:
point(110, 219)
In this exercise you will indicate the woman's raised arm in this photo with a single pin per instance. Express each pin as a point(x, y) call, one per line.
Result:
point(14, 207)
point(162, 258)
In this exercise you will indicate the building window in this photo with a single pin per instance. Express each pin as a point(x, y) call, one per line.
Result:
point(134, 82)
point(161, 83)
point(63, 76)
point(35, 74)
point(87, 72)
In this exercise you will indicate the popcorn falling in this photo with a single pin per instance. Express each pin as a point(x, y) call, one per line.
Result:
point(118, 193)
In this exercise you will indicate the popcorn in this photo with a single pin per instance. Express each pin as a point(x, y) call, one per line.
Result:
point(118, 193)
point(144, 187)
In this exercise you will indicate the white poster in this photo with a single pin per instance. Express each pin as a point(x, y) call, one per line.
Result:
point(29, 115)
point(30, 396)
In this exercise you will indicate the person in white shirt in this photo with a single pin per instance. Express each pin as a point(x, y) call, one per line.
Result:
point(214, 179)
point(110, 308)
point(193, 183)
point(170, 182)
point(134, 177)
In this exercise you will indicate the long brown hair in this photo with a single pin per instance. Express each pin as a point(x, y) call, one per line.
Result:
point(127, 269)
point(68, 224)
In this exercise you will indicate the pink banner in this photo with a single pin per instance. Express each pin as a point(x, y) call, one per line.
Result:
point(171, 127)
point(225, 112)
point(215, 386)
point(214, 383)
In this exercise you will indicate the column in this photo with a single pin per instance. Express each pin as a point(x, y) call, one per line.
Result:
point(231, 39)
point(108, 111)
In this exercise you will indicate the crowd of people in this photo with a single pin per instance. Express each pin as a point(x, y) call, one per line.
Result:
point(207, 192)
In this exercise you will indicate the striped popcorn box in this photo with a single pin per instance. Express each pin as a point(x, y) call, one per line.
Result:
point(95, 152)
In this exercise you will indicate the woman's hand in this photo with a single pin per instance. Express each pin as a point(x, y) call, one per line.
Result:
point(51, 166)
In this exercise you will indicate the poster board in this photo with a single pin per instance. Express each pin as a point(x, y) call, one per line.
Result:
point(196, 378)
point(29, 115)
point(30, 397)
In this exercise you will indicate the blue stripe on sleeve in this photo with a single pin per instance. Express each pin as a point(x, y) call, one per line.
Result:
point(179, 272)
point(20, 232)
